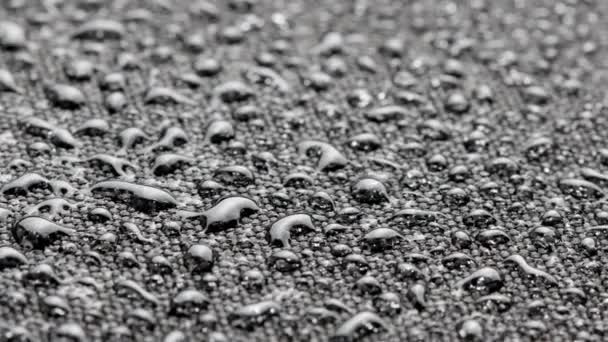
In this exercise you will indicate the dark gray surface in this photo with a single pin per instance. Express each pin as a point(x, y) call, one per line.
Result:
point(303, 170)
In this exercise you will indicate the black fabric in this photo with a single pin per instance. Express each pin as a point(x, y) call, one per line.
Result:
point(303, 170)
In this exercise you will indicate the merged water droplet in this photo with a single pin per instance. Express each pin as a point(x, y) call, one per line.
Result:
point(37, 232)
point(118, 166)
point(280, 231)
point(25, 183)
point(141, 197)
point(131, 289)
point(226, 213)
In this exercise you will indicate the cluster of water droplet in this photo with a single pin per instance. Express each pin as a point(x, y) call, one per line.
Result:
point(259, 170)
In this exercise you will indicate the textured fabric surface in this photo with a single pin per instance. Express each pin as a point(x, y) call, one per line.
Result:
point(248, 170)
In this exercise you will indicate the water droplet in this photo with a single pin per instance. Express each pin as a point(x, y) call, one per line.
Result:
point(220, 131)
point(284, 261)
point(175, 336)
point(534, 274)
point(7, 82)
point(199, 258)
point(387, 113)
point(280, 232)
point(380, 239)
point(470, 330)
point(226, 213)
point(188, 303)
point(485, 280)
point(118, 166)
point(10, 257)
point(163, 95)
point(37, 232)
point(131, 289)
point(580, 189)
point(93, 127)
point(51, 207)
point(235, 175)
point(142, 197)
point(69, 331)
point(26, 183)
point(369, 190)
point(253, 315)
point(64, 96)
point(12, 35)
point(330, 157)
point(359, 325)
point(100, 29)
point(233, 91)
